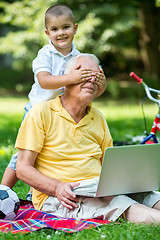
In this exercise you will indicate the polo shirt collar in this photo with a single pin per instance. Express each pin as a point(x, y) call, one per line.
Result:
point(54, 50)
point(56, 106)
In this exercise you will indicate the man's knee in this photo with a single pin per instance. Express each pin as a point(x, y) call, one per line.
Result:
point(139, 213)
point(157, 205)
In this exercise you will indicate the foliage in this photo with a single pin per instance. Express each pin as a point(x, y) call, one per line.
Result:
point(124, 35)
point(14, 81)
point(158, 3)
point(26, 36)
point(104, 27)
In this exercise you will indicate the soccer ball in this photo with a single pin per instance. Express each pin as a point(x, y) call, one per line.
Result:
point(9, 203)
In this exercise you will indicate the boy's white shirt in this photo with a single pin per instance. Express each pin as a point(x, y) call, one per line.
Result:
point(52, 61)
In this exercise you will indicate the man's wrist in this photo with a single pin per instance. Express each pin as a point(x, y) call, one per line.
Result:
point(57, 183)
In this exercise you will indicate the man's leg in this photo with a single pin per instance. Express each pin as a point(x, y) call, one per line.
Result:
point(157, 206)
point(139, 213)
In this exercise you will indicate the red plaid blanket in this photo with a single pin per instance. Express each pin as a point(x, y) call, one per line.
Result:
point(28, 219)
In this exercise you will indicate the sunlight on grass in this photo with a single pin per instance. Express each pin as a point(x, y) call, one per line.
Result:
point(126, 120)
point(125, 110)
point(110, 110)
point(12, 104)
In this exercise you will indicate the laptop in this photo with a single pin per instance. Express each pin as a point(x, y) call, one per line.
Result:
point(125, 170)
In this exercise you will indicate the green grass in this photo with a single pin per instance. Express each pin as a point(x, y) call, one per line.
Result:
point(123, 119)
point(122, 231)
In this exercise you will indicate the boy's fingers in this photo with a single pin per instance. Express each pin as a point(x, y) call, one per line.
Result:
point(86, 71)
point(78, 67)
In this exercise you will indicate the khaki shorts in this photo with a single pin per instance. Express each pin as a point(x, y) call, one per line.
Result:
point(108, 208)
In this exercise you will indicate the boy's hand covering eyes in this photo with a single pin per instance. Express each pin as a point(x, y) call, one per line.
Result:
point(101, 79)
point(79, 75)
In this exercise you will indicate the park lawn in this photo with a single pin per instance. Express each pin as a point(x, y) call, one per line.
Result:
point(123, 119)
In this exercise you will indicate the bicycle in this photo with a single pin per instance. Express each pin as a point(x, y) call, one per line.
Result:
point(150, 138)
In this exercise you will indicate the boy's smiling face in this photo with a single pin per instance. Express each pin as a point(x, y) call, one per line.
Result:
point(61, 31)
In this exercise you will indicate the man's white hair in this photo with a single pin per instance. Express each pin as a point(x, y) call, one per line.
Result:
point(72, 63)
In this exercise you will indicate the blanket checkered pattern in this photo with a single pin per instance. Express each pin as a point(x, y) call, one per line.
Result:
point(28, 219)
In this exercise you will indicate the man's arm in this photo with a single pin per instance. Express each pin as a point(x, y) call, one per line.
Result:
point(26, 171)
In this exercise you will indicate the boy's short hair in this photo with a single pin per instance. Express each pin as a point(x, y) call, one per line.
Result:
point(58, 10)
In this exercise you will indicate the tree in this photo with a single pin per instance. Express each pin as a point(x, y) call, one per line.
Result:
point(25, 37)
point(149, 36)
point(110, 29)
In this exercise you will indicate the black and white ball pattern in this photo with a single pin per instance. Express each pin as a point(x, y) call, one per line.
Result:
point(9, 203)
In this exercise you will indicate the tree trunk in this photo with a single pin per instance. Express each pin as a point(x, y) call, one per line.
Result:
point(148, 15)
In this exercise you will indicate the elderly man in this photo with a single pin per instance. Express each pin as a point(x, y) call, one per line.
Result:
point(62, 142)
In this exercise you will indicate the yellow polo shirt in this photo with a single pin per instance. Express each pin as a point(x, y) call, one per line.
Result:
point(68, 151)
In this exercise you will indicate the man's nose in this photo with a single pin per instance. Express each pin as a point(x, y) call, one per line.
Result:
point(93, 79)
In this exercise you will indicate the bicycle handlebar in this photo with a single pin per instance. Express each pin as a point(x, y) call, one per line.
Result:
point(147, 89)
point(139, 80)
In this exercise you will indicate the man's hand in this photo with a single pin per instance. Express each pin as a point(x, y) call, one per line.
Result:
point(65, 195)
point(79, 75)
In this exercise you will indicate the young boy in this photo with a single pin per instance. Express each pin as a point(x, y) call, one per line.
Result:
point(49, 66)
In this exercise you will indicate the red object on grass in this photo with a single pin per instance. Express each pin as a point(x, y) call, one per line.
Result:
point(28, 220)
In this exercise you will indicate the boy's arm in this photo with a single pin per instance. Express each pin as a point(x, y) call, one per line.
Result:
point(48, 81)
